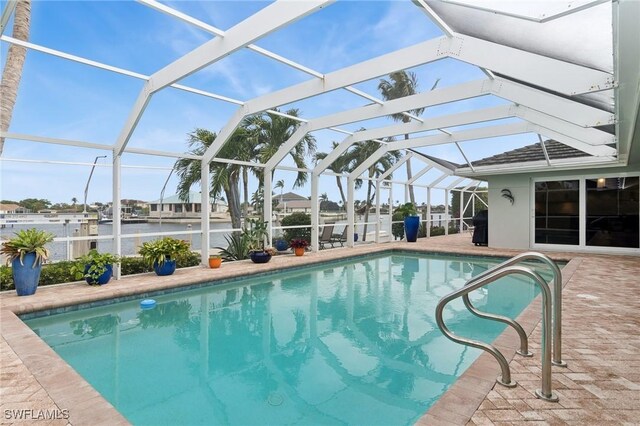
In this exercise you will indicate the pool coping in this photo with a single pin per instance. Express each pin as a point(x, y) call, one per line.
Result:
point(86, 406)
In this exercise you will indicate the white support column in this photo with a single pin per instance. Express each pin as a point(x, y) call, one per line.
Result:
point(446, 212)
point(204, 213)
point(350, 211)
point(406, 193)
point(378, 188)
point(461, 209)
point(391, 210)
point(429, 224)
point(315, 213)
point(268, 203)
point(115, 208)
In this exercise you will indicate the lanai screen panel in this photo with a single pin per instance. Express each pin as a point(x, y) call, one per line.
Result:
point(583, 37)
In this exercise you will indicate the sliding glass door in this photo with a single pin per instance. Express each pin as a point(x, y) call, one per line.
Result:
point(588, 212)
point(557, 207)
point(612, 212)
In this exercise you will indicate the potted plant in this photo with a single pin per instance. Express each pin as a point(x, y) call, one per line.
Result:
point(162, 254)
point(215, 261)
point(411, 221)
point(256, 234)
point(96, 268)
point(26, 252)
point(299, 246)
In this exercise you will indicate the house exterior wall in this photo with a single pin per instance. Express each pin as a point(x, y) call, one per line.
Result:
point(510, 226)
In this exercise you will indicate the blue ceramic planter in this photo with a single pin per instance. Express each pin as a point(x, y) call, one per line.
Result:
point(282, 245)
point(167, 268)
point(25, 276)
point(411, 225)
point(260, 256)
point(102, 279)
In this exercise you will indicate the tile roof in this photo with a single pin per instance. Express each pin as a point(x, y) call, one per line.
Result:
point(555, 149)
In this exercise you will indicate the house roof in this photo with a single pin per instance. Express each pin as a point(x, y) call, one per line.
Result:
point(295, 204)
point(289, 196)
point(194, 197)
point(9, 207)
point(534, 152)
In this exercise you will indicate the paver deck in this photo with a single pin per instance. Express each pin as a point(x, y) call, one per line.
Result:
point(600, 340)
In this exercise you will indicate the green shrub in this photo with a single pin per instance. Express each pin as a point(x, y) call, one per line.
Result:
point(297, 219)
point(397, 229)
point(437, 230)
point(61, 272)
point(134, 265)
point(422, 231)
point(6, 278)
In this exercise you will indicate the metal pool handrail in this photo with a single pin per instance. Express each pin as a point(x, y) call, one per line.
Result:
point(546, 392)
point(556, 303)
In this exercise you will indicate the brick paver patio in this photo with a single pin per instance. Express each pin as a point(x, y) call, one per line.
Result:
point(601, 343)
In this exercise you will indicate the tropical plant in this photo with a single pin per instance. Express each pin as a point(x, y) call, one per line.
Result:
point(92, 265)
point(15, 58)
point(399, 85)
point(279, 184)
point(256, 233)
point(27, 241)
point(271, 131)
point(237, 247)
point(167, 248)
point(297, 219)
point(224, 177)
point(299, 244)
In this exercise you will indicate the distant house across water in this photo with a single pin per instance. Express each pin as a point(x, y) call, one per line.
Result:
point(174, 207)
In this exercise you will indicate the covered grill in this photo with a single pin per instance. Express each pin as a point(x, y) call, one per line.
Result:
point(481, 228)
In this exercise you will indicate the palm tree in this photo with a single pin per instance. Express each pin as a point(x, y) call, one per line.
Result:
point(399, 85)
point(13, 66)
point(280, 184)
point(74, 200)
point(359, 153)
point(224, 177)
point(272, 131)
point(339, 166)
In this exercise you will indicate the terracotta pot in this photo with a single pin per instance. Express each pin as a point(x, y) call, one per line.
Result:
point(299, 251)
point(215, 262)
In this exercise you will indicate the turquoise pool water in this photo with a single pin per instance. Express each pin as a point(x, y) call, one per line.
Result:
point(345, 343)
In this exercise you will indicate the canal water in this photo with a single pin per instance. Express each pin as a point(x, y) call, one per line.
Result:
point(58, 249)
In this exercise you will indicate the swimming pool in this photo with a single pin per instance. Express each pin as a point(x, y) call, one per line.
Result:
point(353, 342)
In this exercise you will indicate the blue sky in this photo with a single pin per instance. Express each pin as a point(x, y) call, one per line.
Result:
point(63, 99)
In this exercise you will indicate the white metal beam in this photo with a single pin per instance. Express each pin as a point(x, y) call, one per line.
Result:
point(6, 14)
point(544, 150)
point(433, 123)
point(438, 180)
point(473, 134)
point(406, 58)
point(419, 174)
point(395, 167)
point(559, 76)
point(587, 135)
point(598, 151)
point(262, 23)
point(455, 182)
